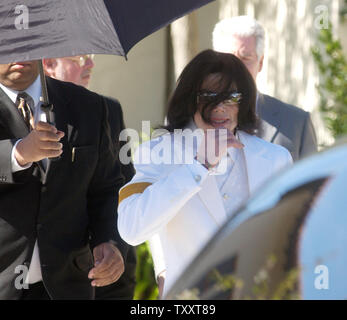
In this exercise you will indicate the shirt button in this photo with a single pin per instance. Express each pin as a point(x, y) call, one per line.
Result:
point(225, 196)
point(197, 178)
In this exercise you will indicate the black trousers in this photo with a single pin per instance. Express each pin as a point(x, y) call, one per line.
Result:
point(36, 291)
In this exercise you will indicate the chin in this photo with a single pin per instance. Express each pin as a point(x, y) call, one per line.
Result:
point(84, 82)
point(20, 82)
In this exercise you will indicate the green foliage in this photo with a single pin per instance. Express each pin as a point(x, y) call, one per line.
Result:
point(286, 289)
point(146, 286)
point(332, 65)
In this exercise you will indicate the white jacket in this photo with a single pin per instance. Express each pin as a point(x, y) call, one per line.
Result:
point(178, 207)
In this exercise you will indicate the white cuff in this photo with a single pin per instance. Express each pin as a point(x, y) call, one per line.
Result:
point(161, 273)
point(15, 165)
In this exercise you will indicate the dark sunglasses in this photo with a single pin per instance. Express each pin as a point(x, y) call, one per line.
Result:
point(229, 98)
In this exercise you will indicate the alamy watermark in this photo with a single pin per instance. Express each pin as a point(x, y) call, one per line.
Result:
point(322, 19)
point(21, 280)
point(22, 19)
point(321, 282)
point(178, 147)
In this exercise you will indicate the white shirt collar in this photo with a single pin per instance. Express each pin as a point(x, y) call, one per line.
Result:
point(34, 90)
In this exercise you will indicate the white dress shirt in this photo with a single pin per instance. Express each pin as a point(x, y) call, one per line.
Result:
point(233, 185)
point(233, 195)
point(34, 91)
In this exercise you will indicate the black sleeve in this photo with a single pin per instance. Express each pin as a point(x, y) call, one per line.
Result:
point(103, 190)
point(6, 174)
point(116, 121)
point(5, 161)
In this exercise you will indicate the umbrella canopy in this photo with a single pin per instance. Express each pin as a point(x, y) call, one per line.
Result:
point(50, 28)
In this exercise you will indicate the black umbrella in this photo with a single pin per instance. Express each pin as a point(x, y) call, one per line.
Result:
point(51, 28)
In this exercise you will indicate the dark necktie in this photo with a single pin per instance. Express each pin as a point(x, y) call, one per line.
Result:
point(25, 104)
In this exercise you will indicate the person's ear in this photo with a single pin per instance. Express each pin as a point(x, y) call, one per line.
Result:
point(49, 66)
point(261, 62)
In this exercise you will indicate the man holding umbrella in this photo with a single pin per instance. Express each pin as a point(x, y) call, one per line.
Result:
point(78, 69)
point(52, 210)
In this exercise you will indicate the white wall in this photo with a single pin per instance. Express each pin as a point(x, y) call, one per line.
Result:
point(139, 83)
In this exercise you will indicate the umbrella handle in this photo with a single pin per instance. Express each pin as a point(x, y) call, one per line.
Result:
point(43, 84)
point(47, 108)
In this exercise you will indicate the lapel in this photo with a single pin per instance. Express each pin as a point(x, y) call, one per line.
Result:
point(257, 163)
point(13, 121)
point(267, 131)
point(269, 119)
point(59, 101)
point(209, 193)
point(212, 199)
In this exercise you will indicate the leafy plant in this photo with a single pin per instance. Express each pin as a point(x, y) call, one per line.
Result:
point(332, 65)
point(146, 286)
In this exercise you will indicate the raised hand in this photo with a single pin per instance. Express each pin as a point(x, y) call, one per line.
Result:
point(42, 142)
point(214, 146)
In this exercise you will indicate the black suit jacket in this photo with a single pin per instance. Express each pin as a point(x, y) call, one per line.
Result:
point(123, 288)
point(76, 205)
point(286, 125)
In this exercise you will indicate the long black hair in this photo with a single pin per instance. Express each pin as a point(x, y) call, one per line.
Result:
point(232, 73)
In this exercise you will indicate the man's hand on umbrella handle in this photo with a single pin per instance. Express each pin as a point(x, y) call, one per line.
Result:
point(42, 142)
point(108, 266)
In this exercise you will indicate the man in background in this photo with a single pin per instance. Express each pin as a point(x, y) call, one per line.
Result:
point(78, 70)
point(280, 123)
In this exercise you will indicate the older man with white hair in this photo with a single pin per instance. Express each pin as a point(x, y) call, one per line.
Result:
point(281, 123)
